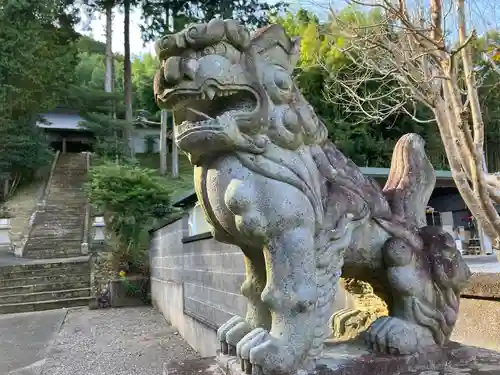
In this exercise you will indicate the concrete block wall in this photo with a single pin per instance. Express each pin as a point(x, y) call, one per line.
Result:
point(195, 283)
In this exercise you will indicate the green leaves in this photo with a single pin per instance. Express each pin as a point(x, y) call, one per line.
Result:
point(131, 198)
point(322, 69)
point(37, 60)
point(143, 71)
point(37, 55)
point(156, 22)
point(23, 148)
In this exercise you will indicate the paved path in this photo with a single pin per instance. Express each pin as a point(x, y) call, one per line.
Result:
point(125, 341)
point(24, 338)
point(483, 263)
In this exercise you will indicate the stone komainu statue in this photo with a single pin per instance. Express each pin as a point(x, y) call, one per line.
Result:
point(272, 183)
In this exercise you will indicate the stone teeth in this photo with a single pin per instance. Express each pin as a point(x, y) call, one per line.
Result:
point(210, 93)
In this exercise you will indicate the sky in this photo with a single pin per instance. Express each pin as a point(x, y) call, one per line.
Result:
point(487, 11)
point(97, 26)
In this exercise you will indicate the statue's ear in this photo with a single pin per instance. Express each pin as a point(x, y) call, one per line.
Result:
point(294, 53)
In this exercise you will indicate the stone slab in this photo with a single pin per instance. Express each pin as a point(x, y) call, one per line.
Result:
point(483, 285)
point(119, 297)
point(354, 359)
point(201, 366)
point(478, 323)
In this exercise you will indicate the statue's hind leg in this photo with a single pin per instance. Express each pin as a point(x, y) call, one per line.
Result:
point(258, 314)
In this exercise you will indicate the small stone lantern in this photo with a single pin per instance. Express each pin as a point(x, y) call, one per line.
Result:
point(5, 227)
point(98, 225)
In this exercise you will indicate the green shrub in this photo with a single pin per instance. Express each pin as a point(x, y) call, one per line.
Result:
point(131, 199)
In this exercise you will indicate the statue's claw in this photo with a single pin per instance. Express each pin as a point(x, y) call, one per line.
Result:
point(231, 332)
point(396, 336)
point(262, 353)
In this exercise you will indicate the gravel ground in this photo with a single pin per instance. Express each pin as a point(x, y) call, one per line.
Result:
point(124, 341)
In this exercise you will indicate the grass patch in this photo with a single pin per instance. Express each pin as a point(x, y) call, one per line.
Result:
point(180, 185)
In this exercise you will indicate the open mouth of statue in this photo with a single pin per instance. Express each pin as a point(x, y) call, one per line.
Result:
point(198, 111)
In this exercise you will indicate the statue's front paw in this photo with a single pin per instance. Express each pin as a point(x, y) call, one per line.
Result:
point(231, 332)
point(396, 336)
point(262, 353)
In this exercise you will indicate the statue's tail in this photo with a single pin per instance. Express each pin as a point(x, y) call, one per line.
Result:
point(411, 180)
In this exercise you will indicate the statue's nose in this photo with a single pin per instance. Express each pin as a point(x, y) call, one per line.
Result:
point(189, 67)
point(177, 69)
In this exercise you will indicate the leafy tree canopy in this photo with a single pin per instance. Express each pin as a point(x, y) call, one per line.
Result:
point(321, 66)
point(37, 55)
point(156, 21)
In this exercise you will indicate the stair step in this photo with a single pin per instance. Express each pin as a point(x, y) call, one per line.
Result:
point(69, 236)
point(50, 244)
point(15, 277)
point(62, 267)
point(47, 279)
point(45, 296)
point(43, 305)
point(49, 254)
point(69, 233)
point(69, 284)
point(55, 246)
point(66, 242)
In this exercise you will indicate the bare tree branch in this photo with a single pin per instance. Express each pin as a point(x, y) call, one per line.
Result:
point(404, 58)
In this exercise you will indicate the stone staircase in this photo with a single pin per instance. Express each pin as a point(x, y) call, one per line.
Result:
point(52, 272)
point(44, 285)
point(58, 227)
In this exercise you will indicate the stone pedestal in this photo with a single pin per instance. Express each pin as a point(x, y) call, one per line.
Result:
point(354, 359)
point(120, 297)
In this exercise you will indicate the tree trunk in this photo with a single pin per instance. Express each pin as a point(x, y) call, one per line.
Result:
point(127, 77)
point(108, 74)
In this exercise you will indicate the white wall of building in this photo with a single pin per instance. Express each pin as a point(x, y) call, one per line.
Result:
point(197, 222)
point(139, 139)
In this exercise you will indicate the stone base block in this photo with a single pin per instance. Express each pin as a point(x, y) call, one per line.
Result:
point(120, 294)
point(352, 358)
point(200, 366)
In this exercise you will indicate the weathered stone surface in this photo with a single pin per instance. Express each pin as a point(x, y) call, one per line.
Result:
point(201, 366)
point(354, 359)
point(271, 183)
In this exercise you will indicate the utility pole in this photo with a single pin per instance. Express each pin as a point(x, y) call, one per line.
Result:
point(163, 143)
point(175, 151)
